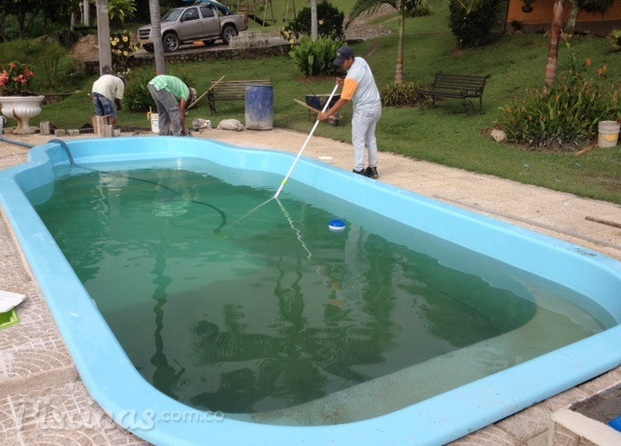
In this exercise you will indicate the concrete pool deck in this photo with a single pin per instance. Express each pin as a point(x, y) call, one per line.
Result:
point(42, 399)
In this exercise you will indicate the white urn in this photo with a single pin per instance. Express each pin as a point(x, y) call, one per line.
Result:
point(22, 109)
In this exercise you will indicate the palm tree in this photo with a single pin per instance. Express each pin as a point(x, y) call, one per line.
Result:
point(555, 37)
point(156, 29)
point(103, 34)
point(402, 7)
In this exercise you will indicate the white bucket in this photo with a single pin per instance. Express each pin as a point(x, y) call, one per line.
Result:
point(608, 133)
point(155, 124)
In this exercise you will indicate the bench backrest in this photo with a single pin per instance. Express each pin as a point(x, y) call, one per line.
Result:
point(445, 81)
point(233, 89)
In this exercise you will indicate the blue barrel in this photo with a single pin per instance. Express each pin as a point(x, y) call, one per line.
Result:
point(259, 107)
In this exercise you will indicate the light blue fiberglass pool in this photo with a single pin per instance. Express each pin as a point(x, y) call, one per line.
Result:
point(471, 244)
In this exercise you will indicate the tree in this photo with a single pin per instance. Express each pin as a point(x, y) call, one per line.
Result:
point(314, 20)
point(403, 7)
point(24, 11)
point(555, 37)
point(103, 34)
point(577, 6)
point(156, 29)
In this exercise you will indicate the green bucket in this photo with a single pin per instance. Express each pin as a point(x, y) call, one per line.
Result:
point(8, 319)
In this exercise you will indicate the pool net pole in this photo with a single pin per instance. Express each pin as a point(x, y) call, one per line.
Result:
point(297, 158)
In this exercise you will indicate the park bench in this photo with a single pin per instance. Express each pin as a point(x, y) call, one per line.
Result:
point(221, 91)
point(457, 86)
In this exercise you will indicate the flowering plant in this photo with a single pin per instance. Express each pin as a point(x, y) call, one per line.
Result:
point(15, 79)
point(122, 48)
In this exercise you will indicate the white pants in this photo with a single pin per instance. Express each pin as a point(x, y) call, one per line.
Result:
point(363, 124)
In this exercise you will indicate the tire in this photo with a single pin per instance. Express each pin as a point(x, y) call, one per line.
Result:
point(228, 32)
point(171, 42)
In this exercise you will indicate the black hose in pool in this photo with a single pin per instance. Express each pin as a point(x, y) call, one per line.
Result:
point(72, 161)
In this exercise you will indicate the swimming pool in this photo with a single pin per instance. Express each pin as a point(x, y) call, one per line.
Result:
point(117, 387)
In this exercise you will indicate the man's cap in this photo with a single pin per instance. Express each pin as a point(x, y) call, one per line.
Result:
point(106, 70)
point(342, 55)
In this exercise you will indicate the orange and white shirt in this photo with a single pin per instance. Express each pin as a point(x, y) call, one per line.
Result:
point(359, 86)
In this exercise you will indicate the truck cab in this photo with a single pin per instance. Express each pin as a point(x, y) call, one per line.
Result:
point(205, 21)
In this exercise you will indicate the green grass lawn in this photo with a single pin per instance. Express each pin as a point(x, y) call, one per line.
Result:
point(442, 135)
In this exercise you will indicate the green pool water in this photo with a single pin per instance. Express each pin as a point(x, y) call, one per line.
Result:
point(274, 310)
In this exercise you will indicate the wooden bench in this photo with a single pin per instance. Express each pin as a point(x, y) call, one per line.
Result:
point(221, 91)
point(457, 86)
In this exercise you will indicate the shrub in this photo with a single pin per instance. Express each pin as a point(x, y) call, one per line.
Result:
point(567, 115)
point(330, 23)
point(313, 59)
point(401, 95)
point(136, 97)
point(121, 10)
point(54, 68)
point(418, 8)
point(15, 79)
point(473, 28)
point(122, 49)
point(615, 39)
point(564, 118)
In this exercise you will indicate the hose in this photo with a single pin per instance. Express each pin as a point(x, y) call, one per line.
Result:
point(176, 193)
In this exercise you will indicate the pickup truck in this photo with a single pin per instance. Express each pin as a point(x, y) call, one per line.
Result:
point(206, 21)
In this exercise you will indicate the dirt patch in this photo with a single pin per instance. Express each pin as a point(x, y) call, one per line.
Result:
point(85, 49)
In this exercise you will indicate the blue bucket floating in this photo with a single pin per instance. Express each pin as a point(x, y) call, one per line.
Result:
point(336, 225)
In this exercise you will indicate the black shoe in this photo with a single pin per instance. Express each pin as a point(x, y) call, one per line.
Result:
point(371, 172)
point(360, 172)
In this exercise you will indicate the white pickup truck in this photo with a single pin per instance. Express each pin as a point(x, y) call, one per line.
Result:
point(206, 21)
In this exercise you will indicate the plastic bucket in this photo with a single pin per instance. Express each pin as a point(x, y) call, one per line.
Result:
point(259, 107)
point(155, 123)
point(608, 133)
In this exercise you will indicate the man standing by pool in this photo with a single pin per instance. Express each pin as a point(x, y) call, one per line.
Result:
point(172, 98)
point(360, 88)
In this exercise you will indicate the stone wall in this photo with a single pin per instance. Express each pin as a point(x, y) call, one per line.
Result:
point(203, 54)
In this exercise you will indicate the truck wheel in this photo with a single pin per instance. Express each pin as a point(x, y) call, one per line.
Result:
point(228, 32)
point(170, 42)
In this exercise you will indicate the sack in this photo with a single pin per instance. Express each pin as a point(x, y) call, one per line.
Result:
point(230, 124)
point(200, 124)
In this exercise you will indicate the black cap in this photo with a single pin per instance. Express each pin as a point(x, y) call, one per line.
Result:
point(342, 55)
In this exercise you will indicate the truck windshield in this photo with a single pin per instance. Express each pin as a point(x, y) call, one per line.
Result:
point(172, 15)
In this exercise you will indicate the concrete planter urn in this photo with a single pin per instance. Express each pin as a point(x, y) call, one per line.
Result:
point(22, 109)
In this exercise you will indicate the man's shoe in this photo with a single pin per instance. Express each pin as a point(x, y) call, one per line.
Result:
point(371, 172)
point(360, 172)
